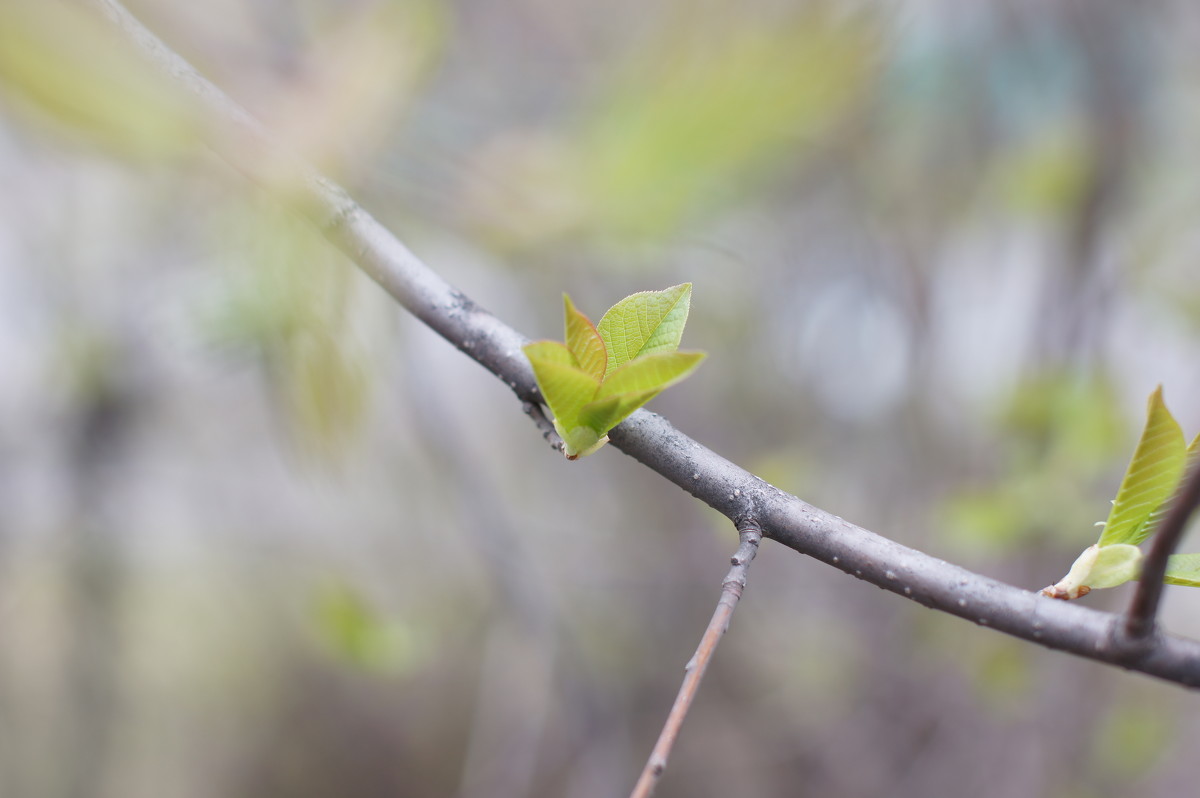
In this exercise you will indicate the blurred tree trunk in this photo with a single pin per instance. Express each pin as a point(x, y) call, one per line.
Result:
point(93, 574)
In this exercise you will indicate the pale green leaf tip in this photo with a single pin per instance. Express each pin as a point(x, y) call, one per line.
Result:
point(1146, 481)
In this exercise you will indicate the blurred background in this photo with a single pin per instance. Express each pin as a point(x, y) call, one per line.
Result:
point(261, 534)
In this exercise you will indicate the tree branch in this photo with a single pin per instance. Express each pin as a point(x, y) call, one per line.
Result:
point(1139, 623)
point(749, 536)
point(535, 412)
point(651, 440)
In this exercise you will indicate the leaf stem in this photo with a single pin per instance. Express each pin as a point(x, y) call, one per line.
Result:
point(1139, 622)
point(749, 534)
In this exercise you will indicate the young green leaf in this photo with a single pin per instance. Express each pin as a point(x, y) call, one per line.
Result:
point(636, 383)
point(1098, 567)
point(1115, 565)
point(652, 372)
point(645, 323)
point(564, 385)
point(604, 414)
point(601, 375)
point(1153, 474)
point(580, 441)
point(584, 341)
point(1183, 569)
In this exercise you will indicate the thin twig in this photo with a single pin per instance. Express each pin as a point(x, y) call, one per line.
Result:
point(749, 535)
point(652, 440)
point(1139, 623)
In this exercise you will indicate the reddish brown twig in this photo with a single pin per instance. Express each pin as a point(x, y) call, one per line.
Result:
point(749, 535)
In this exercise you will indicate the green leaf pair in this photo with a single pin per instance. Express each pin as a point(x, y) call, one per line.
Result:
point(606, 371)
point(1158, 466)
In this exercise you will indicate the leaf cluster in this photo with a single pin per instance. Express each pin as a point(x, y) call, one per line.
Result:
point(605, 371)
point(1159, 464)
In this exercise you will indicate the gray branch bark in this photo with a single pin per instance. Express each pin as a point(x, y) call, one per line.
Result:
point(650, 438)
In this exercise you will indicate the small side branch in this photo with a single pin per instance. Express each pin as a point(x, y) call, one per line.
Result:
point(749, 534)
point(1139, 624)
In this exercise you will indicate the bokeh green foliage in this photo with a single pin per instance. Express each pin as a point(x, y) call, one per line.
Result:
point(1056, 432)
point(63, 70)
point(705, 112)
point(286, 298)
point(355, 632)
point(362, 69)
point(1001, 672)
point(699, 115)
point(1132, 737)
point(1045, 174)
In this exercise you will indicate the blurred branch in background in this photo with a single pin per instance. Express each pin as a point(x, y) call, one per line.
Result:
point(96, 574)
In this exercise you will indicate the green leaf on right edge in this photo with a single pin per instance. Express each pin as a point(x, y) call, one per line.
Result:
point(645, 323)
point(1183, 569)
point(1153, 474)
